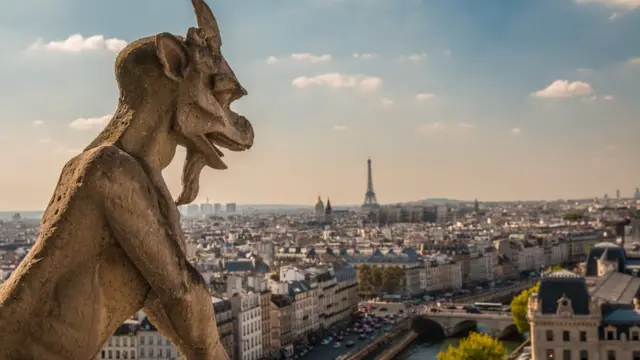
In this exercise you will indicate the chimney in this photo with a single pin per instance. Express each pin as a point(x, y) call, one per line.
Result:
point(636, 304)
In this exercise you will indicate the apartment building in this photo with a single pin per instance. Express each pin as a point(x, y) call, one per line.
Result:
point(123, 344)
point(247, 314)
point(282, 322)
point(224, 320)
point(442, 274)
point(573, 320)
point(152, 344)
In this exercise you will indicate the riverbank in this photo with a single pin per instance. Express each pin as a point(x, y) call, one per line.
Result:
point(395, 349)
point(420, 350)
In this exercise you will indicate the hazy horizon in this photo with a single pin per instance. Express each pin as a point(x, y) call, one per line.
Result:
point(450, 98)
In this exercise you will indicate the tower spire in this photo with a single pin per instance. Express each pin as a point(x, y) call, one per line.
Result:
point(370, 200)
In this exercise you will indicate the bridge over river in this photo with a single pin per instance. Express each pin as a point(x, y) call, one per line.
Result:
point(498, 324)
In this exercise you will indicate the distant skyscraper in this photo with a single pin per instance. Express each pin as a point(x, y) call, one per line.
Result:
point(193, 209)
point(231, 208)
point(370, 200)
point(217, 208)
point(637, 194)
point(618, 194)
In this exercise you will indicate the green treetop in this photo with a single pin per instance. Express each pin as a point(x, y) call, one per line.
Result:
point(476, 346)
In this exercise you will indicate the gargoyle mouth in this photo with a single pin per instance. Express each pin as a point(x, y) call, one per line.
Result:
point(218, 139)
point(236, 136)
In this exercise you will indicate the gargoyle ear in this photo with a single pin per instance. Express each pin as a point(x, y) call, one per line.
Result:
point(172, 55)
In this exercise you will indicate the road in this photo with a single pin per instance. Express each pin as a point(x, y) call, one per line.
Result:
point(392, 307)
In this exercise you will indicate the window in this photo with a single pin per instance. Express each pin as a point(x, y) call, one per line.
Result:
point(566, 336)
point(550, 354)
point(635, 335)
point(566, 354)
point(133, 354)
point(584, 355)
point(611, 335)
point(635, 355)
point(583, 336)
point(611, 355)
point(549, 335)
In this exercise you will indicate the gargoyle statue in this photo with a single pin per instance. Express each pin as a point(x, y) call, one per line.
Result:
point(110, 240)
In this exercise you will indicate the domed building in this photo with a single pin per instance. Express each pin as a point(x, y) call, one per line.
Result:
point(319, 207)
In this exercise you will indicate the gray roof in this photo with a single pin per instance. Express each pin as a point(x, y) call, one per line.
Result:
point(564, 283)
point(617, 288)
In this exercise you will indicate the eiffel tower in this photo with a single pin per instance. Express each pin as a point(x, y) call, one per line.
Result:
point(370, 201)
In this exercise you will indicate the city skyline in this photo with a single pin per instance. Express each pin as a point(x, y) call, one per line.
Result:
point(450, 99)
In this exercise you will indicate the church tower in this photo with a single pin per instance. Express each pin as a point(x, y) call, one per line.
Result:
point(319, 209)
point(328, 212)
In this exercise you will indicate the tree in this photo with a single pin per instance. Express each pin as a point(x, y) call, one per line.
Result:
point(375, 279)
point(553, 268)
point(392, 279)
point(574, 216)
point(364, 274)
point(476, 346)
point(520, 307)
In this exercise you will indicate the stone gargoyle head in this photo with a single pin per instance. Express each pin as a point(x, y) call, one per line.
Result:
point(180, 88)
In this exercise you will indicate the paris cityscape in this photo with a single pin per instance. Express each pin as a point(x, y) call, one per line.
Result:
point(320, 180)
point(320, 282)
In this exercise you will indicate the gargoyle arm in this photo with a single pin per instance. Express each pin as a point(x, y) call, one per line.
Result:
point(132, 212)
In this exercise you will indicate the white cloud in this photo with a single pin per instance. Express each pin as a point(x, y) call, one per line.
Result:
point(439, 127)
point(340, 128)
point(516, 131)
point(365, 56)
point(564, 89)
point(623, 4)
point(416, 57)
point(38, 122)
point(272, 60)
point(337, 80)
point(425, 96)
point(90, 123)
point(635, 61)
point(301, 57)
point(77, 43)
point(608, 97)
point(311, 57)
point(386, 102)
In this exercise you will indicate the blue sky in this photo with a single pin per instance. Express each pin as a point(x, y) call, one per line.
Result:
point(495, 99)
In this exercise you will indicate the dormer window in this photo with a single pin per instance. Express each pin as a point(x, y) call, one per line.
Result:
point(611, 335)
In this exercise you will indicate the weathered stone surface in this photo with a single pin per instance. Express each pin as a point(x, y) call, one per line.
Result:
point(110, 241)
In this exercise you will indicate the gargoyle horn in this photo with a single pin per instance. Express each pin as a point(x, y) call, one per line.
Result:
point(207, 22)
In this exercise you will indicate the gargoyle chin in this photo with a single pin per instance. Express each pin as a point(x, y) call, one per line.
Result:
point(193, 165)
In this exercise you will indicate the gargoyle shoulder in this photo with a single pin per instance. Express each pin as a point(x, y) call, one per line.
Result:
point(107, 166)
